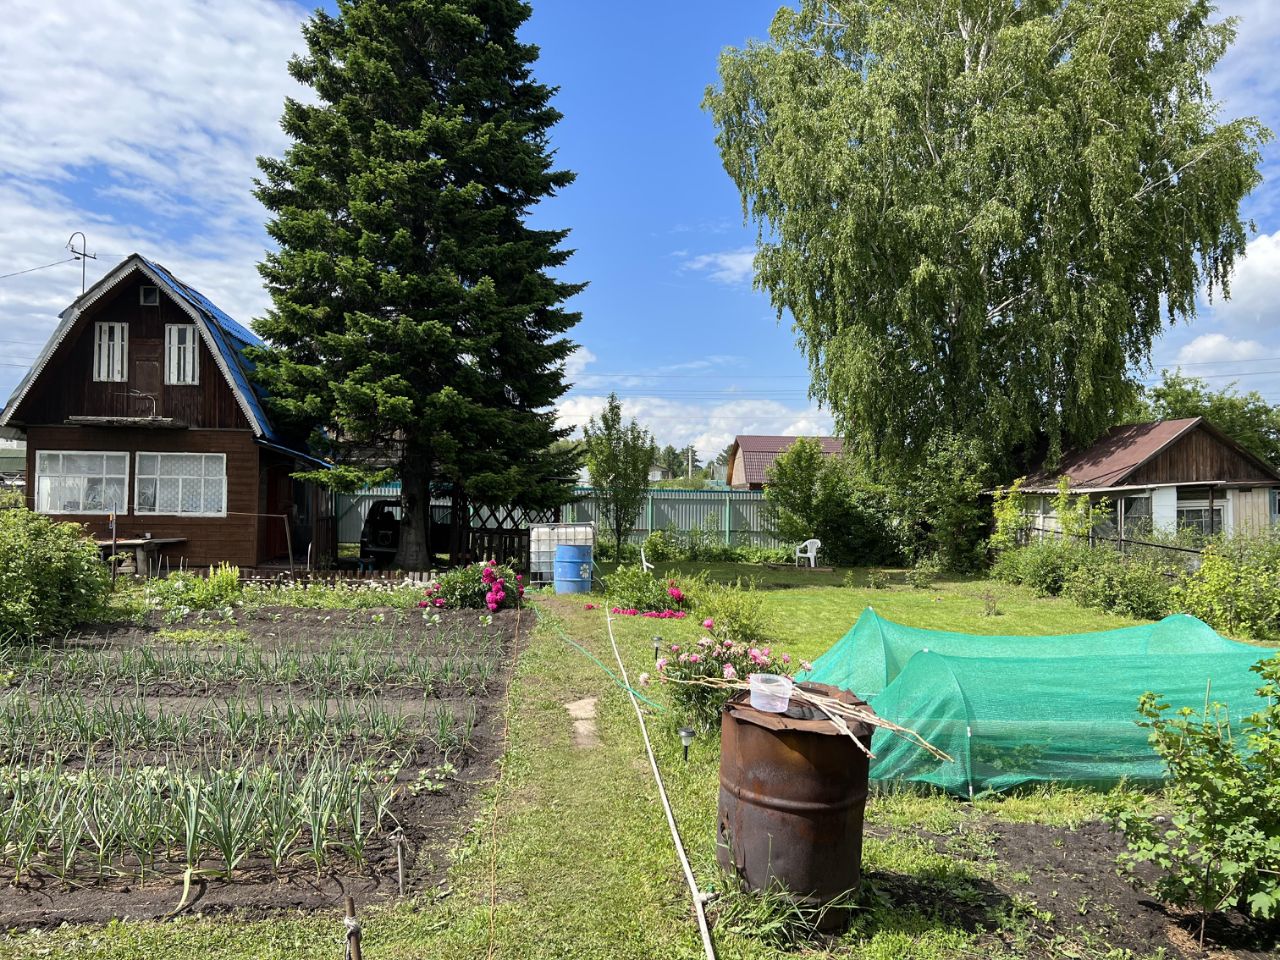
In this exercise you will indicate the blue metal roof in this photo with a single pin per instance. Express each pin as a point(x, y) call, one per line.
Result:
point(230, 338)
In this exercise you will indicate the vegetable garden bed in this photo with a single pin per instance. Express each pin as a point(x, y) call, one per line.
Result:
point(275, 762)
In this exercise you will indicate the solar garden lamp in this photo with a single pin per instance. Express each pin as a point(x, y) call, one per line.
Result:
point(686, 738)
point(657, 645)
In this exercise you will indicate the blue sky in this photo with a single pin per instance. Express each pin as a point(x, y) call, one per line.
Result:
point(141, 131)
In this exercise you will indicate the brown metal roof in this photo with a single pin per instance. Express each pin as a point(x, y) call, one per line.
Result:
point(1122, 450)
point(759, 452)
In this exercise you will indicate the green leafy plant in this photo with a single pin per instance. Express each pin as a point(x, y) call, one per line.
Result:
point(1237, 586)
point(478, 586)
point(923, 574)
point(735, 611)
point(633, 588)
point(51, 577)
point(1222, 844)
point(877, 579)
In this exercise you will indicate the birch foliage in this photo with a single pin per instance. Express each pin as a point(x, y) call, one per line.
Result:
point(981, 213)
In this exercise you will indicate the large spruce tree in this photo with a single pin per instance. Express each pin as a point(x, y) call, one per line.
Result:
point(414, 317)
point(981, 213)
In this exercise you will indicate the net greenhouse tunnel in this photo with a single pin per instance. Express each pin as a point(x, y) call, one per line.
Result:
point(1012, 710)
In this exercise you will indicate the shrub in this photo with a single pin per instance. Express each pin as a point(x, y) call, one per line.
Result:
point(719, 657)
point(1132, 588)
point(663, 545)
point(752, 554)
point(51, 576)
point(476, 586)
point(733, 612)
point(1237, 587)
point(922, 575)
point(877, 579)
point(633, 588)
point(1222, 845)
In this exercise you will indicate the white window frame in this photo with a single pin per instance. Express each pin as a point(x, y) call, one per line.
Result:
point(40, 475)
point(139, 476)
point(1219, 507)
point(176, 356)
point(113, 367)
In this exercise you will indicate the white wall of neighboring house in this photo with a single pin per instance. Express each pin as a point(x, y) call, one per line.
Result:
point(1164, 509)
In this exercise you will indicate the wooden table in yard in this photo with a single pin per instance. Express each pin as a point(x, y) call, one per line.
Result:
point(142, 547)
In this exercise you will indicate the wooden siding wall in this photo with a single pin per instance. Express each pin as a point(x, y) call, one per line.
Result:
point(230, 539)
point(1199, 457)
point(1251, 510)
point(66, 388)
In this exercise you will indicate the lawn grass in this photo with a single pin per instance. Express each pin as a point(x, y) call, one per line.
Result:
point(583, 863)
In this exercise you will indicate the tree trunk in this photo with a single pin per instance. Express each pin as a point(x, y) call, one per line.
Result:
point(413, 552)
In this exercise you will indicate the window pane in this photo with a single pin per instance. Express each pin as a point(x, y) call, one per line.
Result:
point(191, 496)
point(113, 498)
point(180, 465)
point(213, 495)
point(82, 463)
point(47, 463)
point(146, 495)
point(116, 464)
point(147, 465)
point(167, 496)
point(65, 495)
point(93, 493)
point(215, 466)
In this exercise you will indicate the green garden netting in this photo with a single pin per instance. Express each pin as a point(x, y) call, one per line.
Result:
point(1011, 710)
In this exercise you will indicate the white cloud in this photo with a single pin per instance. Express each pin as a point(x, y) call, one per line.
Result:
point(1219, 348)
point(709, 426)
point(728, 266)
point(577, 362)
point(140, 128)
point(1255, 288)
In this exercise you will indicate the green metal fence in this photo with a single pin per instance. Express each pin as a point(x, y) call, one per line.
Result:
point(736, 515)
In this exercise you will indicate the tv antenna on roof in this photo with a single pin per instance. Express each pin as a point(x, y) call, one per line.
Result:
point(82, 254)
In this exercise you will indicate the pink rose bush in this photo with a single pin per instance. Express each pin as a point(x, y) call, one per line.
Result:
point(712, 657)
point(488, 585)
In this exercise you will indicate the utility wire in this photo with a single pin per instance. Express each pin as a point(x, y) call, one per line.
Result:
point(18, 273)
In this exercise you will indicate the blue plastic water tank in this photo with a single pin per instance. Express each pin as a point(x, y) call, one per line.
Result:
point(572, 571)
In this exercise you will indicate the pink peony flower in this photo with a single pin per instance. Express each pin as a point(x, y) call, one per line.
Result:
point(806, 666)
point(675, 648)
point(695, 658)
point(729, 672)
point(708, 624)
point(728, 644)
point(588, 606)
point(661, 664)
point(786, 658)
point(422, 603)
point(519, 577)
point(615, 610)
point(706, 642)
point(676, 594)
point(679, 614)
point(439, 601)
point(644, 679)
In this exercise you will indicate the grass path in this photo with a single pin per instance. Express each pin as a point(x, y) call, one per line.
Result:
point(584, 862)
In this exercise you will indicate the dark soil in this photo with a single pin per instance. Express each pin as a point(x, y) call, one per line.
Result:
point(1056, 892)
point(431, 821)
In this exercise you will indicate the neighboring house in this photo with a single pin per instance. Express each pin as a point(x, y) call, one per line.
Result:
point(1164, 476)
point(751, 457)
point(659, 473)
point(141, 405)
point(13, 464)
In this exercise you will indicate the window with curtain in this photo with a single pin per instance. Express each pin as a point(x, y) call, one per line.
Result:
point(180, 367)
point(185, 484)
point(81, 481)
point(110, 351)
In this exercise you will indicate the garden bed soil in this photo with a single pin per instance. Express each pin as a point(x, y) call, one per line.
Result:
point(1056, 892)
point(431, 821)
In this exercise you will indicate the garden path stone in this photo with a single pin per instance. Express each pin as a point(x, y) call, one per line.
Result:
point(583, 714)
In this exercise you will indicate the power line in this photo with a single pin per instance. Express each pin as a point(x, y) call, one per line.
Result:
point(18, 273)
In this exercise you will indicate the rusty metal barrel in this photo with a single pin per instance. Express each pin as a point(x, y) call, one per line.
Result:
point(793, 788)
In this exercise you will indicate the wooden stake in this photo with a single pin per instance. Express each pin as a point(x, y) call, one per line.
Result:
point(353, 931)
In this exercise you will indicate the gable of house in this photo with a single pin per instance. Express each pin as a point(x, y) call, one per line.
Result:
point(752, 456)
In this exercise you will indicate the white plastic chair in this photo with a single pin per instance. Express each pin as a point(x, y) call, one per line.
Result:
point(808, 551)
point(645, 565)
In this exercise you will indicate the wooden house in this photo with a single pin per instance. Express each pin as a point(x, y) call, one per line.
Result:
point(1167, 475)
point(141, 406)
point(750, 457)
